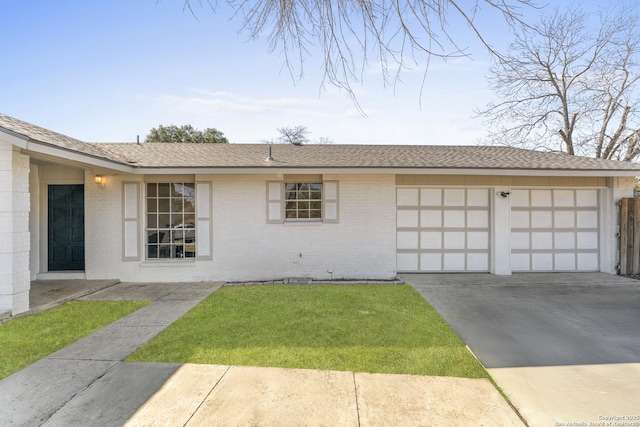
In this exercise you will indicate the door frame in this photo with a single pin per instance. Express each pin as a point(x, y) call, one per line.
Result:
point(44, 219)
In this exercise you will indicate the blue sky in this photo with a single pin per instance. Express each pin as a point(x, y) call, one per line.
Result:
point(108, 70)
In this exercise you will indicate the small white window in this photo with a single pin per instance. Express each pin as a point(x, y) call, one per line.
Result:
point(303, 201)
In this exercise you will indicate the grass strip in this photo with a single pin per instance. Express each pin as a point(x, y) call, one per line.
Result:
point(362, 328)
point(27, 339)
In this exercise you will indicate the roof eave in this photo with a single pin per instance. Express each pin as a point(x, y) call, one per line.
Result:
point(51, 150)
point(269, 170)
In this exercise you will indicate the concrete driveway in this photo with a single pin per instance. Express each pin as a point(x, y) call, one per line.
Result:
point(564, 347)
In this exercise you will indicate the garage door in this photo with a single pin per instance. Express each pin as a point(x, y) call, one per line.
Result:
point(554, 230)
point(442, 229)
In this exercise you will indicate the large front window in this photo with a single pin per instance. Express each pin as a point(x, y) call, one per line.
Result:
point(303, 200)
point(171, 220)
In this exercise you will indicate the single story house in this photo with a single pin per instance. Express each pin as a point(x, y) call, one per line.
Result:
point(254, 212)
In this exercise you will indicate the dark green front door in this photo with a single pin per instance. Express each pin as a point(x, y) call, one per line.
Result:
point(66, 227)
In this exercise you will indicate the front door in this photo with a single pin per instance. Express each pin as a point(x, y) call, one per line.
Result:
point(66, 227)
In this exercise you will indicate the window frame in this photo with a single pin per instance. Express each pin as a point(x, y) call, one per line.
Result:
point(298, 199)
point(176, 240)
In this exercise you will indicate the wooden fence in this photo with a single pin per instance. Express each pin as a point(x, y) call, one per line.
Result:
point(630, 235)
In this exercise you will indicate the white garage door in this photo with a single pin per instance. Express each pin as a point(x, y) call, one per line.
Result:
point(554, 230)
point(442, 229)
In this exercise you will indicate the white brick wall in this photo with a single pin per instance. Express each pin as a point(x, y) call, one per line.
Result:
point(245, 246)
point(14, 229)
point(360, 246)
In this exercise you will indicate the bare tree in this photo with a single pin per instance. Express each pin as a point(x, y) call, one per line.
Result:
point(296, 135)
point(565, 86)
point(398, 33)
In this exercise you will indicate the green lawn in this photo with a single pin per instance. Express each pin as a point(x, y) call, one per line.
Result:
point(27, 339)
point(362, 328)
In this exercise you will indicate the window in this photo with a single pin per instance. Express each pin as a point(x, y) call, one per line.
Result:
point(303, 201)
point(170, 231)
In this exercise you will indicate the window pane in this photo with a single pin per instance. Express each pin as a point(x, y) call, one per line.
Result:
point(315, 187)
point(152, 189)
point(315, 205)
point(164, 251)
point(291, 214)
point(291, 205)
point(152, 221)
point(303, 187)
point(303, 205)
point(163, 205)
point(164, 221)
point(190, 204)
point(176, 236)
point(152, 251)
point(176, 204)
point(289, 187)
point(152, 205)
point(315, 214)
point(163, 190)
point(317, 195)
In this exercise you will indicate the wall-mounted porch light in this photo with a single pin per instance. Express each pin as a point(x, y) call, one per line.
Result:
point(99, 179)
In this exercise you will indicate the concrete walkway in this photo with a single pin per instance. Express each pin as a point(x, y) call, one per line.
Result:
point(89, 384)
point(564, 347)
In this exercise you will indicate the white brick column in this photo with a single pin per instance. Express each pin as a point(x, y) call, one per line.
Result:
point(14, 230)
point(501, 232)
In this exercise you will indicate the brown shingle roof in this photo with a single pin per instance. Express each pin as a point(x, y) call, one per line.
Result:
point(160, 155)
point(39, 134)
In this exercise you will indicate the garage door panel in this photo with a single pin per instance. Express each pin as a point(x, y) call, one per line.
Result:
point(519, 198)
point(430, 240)
point(587, 198)
point(407, 197)
point(454, 240)
point(477, 262)
point(431, 197)
point(542, 240)
point(451, 233)
point(431, 218)
point(454, 262)
point(454, 219)
point(565, 262)
point(520, 262)
point(587, 240)
point(541, 219)
point(586, 261)
point(564, 240)
point(407, 261)
point(454, 197)
point(564, 198)
point(541, 198)
point(476, 197)
point(588, 219)
point(477, 240)
point(478, 219)
point(542, 262)
point(558, 231)
point(520, 241)
point(430, 262)
point(407, 218)
point(564, 219)
point(407, 240)
point(520, 219)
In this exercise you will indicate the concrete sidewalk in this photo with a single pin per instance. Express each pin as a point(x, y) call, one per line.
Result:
point(89, 384)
